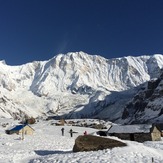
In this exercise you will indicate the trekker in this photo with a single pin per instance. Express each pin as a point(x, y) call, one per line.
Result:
point(71, 132)
point(85, 133)
point(62, 129)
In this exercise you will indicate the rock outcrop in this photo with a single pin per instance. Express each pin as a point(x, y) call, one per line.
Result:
point(146, 106)
point(95, 143)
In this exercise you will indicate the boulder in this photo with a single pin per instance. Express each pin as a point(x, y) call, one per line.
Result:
point(94, 143)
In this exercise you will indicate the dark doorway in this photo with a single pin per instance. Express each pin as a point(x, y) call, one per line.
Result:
point(132, 137)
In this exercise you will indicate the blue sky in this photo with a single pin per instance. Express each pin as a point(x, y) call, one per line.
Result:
point(40, 29)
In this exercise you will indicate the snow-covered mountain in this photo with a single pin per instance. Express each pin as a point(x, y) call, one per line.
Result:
point(146, 106)
point(75, 85)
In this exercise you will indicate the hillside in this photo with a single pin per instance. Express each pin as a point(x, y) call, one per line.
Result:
point(146, 105)
point(75, 85)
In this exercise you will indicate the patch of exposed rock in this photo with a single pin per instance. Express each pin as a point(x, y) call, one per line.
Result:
point(148, 100)
point(95, 143)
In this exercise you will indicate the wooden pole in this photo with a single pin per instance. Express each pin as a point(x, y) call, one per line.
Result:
point(23, 133)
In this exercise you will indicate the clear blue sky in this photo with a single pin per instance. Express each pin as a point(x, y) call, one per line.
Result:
point(39, 29)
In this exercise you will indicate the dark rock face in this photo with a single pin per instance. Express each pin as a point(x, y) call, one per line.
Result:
point(142, 102)
point(94, 143)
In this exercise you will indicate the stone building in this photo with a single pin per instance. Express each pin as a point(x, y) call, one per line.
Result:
point(140, 133)
point(21, 129)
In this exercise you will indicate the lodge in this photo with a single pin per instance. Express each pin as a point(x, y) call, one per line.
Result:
point(19, 129)
point(139, 133)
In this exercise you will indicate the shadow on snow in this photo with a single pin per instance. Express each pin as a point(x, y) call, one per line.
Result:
point(47, 152)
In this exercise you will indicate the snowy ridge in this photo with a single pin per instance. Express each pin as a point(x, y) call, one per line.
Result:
point(146, 105)
point(71, 83)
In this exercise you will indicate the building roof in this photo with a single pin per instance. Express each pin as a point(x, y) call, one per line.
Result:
point(141, 128)
point(19, 127)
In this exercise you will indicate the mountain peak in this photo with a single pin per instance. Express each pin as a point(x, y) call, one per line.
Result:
point(3, 62)
point(74, 83)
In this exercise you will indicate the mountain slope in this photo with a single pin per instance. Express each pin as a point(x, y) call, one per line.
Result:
point(146, 106)
point(75, 84)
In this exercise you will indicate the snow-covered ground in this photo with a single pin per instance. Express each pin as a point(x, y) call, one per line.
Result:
point(48, 146)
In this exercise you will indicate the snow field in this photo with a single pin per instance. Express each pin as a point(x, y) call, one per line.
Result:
point(48, 146)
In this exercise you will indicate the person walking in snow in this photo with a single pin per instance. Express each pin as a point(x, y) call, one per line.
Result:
point(85, 133)
point(71, 132)
point(62, 129)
